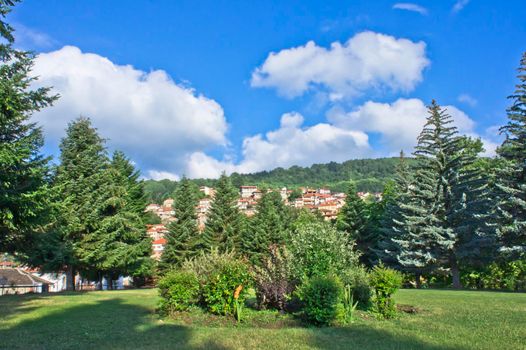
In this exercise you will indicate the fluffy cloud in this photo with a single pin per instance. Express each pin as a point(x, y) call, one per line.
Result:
point(366, 61)
point(156, 121)
point(399, 123)
point(289, 145)
point(410, 7)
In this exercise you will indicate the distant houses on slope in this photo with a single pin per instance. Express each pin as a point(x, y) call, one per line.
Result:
point(321, 200)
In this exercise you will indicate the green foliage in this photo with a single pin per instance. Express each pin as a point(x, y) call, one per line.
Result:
point(269, 226)
point(442, 218)
point(118, 245)
point(178, 290)
point(183, 236)
point(352, 219)
point(24, 174)
point(205, 263)
point(224, 223)
point(357, 279)
point(510, 275)
point(322, 298)
point(385, 282)
point(511, 182)
point(220, 288)
point(318, 248)
point(274, 279)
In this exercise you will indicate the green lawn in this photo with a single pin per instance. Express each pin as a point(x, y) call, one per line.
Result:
point(126, 319)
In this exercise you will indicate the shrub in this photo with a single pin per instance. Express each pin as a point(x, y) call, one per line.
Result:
point(179, 290)
point(385, 282)
point(357, 279)
point(322, 299)
point(219, 289)
point(207, 263)
point(274, 280)
point(319, 249)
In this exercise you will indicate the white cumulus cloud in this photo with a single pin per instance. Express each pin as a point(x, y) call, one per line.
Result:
point(156, 121)
point(289, 145)
point(399, 123)
point(410, 7)
point(368, 60)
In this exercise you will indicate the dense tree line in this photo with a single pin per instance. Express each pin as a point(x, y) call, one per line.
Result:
point(369, 175)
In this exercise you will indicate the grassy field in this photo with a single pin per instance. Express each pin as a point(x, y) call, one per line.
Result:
point(126, 319)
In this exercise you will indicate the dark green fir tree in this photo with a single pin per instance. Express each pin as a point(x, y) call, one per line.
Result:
point(79, 182)
point(24, 172)
point(353, 219)
point(119, 245)
point(183, 238)
point(270, 225)
point(224, 223)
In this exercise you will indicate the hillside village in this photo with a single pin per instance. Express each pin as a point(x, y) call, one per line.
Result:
point(319, 200)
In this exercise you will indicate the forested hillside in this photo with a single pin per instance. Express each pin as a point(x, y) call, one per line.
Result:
point(369, 175)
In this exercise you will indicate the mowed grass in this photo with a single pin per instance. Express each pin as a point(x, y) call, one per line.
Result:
point(127, 320)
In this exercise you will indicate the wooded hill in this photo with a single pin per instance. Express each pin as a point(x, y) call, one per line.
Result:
point(370, 175)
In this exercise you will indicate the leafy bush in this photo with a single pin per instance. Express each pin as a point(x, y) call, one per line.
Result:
point(223, 284)
point(357, 278)
point(179, 290)
point(385, 282)
point(274, 280)
point(501, 276)
point(207, 263)
point(322, 299)
point(319, 249)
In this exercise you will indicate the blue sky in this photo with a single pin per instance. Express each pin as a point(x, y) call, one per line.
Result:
point(193, 87)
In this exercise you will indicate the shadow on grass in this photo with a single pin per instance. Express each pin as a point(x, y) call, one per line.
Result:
point(106, 324)
point(366, 337)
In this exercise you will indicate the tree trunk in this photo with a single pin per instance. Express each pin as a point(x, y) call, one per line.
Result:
point(99, 280)
point(70, 278)
point(455, 274)
point(417, 280)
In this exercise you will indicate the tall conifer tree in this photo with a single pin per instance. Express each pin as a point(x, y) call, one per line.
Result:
point(391, 224)
point(353, 219)
point(24, 172)
point(80, 184)
point(183, 238)
point(512, 184)
point(224, 223)
point(119, 245)
point(443, 218)
point(269, 225)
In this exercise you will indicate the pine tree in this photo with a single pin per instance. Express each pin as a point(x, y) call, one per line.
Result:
point(269, 226)
point(415, 225)
point(79, 182)
point(224, 224)
point(391, 223)
point(512, 184)
point(24, 174)
point(119, 245)
point(353, 219)
point(183, 236)
point(443, 215)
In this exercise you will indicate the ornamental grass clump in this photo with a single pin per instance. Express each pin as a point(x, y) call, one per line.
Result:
point(385, 282)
